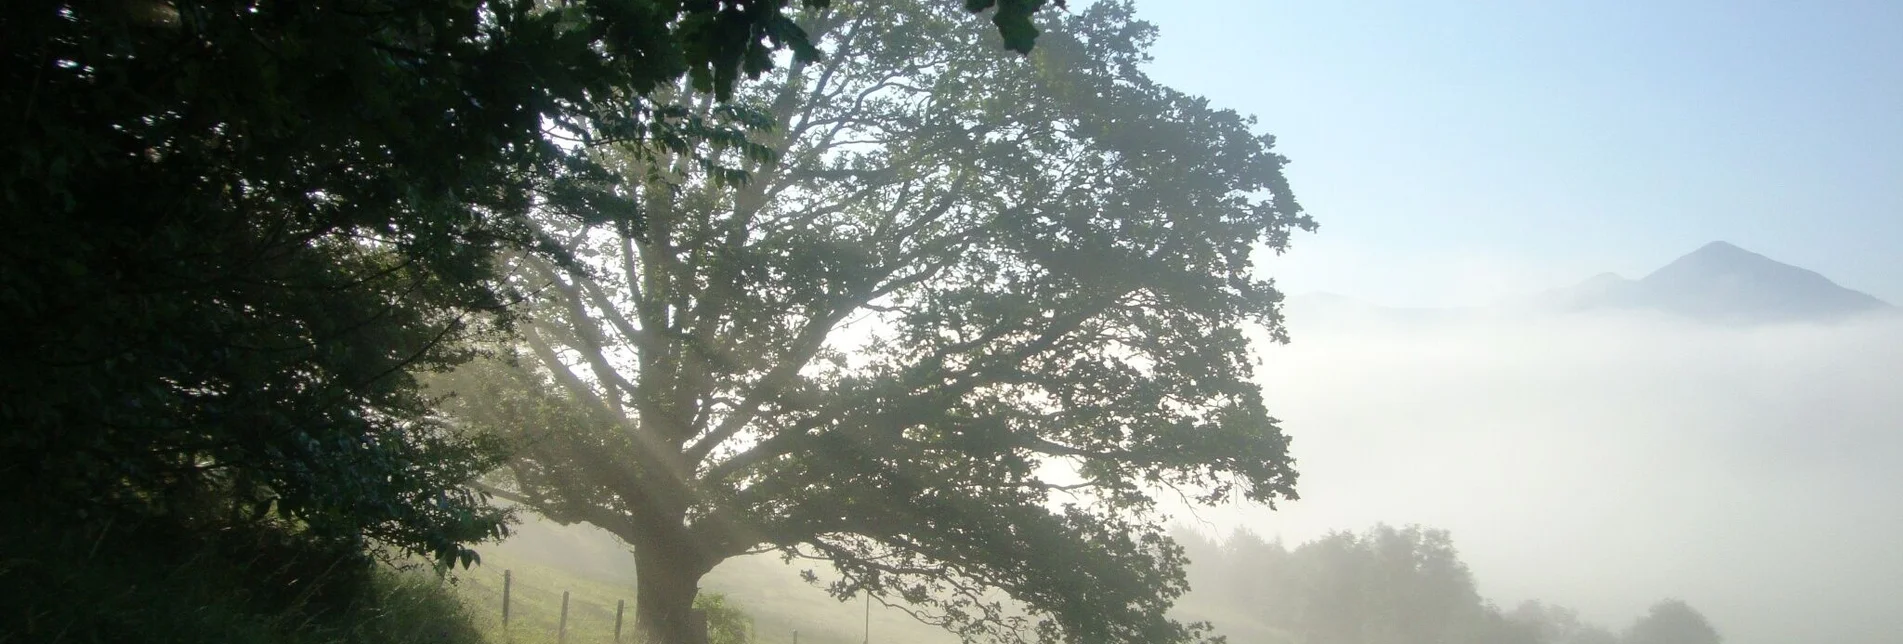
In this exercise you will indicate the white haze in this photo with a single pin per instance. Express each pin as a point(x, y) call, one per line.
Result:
point(1606, 462)
point(1598, 462)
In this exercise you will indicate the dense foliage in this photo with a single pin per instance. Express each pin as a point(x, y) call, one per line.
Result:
point(236, 229)
point(1672, 622)
point(232, 584)
point(971, 316)
point(1388, 585)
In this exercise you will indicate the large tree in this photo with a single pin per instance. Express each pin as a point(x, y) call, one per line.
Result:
point(235, 227)
point(960, 332)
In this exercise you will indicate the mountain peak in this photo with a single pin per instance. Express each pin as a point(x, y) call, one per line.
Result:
point(1723, 282)
point(1721, 246)
point(1725, 255)
point(1723, 262)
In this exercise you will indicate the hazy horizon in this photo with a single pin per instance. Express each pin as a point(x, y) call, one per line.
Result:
point(1603, 462)
point(1525, 295)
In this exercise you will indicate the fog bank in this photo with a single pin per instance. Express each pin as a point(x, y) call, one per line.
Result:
point(1606, 461)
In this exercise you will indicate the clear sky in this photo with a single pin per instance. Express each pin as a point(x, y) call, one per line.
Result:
point(1460, 151)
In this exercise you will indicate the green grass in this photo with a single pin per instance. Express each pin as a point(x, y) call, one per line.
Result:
point(545, 559)
point(536, 599)
point(535, 602)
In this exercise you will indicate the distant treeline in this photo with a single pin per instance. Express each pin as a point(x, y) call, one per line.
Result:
point(1387, 585)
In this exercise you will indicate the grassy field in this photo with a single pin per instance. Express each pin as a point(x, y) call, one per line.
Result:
point(535, 602)
point(543, 560)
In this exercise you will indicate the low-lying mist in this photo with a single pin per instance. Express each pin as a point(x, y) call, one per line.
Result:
point(1604, 462)
point(1597, 462)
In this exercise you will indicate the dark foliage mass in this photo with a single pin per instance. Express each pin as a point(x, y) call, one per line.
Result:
point(162, 580)
point(1388, 585)
point(235, 230)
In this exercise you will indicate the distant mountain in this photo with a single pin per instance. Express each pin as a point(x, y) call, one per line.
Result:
point(1719, 283)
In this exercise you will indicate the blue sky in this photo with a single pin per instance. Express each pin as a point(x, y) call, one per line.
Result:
point(1458, 152)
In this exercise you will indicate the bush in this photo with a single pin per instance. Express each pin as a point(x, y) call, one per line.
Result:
point(252, 584)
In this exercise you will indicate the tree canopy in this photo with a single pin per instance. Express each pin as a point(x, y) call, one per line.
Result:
point(1672, 622)
point(1385, 585)
point(968, 320)
point(235, 229)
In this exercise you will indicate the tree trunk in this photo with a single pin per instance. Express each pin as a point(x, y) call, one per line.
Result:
point(667, 578)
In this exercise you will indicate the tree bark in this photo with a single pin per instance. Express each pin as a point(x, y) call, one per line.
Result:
point(667, 578)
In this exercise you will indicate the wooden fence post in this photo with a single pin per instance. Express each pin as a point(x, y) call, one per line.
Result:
point(505, 599)
point(619, 605)
point(561, 627)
